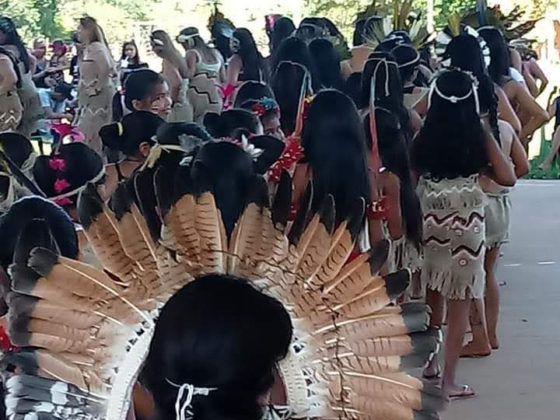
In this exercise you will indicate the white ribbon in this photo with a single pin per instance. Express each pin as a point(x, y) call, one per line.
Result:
point(183, 408)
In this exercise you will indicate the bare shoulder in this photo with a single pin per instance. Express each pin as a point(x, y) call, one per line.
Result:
point(389, 180)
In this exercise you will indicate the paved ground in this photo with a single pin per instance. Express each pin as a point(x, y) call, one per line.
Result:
point(521, 381)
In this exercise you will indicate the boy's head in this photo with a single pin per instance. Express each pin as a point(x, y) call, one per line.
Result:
point(61, 92)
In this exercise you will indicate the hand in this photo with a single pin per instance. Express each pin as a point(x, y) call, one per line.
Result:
point(162, 45)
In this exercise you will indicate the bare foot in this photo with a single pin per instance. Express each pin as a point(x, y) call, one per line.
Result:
point(457, 392)
point(494, 343)
point(476, 350)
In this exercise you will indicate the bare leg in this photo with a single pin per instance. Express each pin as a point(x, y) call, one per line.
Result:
point(417, 292)
point(492, 296)
point(480, 345)
point(547, 162)
point(458, 318)
point(436, 302)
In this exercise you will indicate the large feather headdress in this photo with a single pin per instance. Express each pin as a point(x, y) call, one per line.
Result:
point(84, 333)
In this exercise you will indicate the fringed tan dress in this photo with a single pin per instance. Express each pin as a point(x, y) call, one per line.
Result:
point(95, 93)
point(454, 236)
point(31, 103)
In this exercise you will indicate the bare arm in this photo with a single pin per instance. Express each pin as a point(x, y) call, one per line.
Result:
point(501, 169)
point(530, 82)
point(391, 189)
point(519, 158)
point(532, 109)
point(234, 68)
point(538, 74)
point(192, 58)
point(506, 111)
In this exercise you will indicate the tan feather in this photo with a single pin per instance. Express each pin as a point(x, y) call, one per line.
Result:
point(55, 366)
point(182, 223)
point(212, 249)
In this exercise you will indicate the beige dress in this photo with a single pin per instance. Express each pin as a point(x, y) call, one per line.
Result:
point(31, 103)
point(95, 93)
point(454, 236)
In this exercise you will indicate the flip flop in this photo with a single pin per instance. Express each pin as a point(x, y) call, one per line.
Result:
point(466, 393)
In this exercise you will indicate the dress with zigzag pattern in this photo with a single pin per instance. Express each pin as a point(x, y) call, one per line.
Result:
point(454, 236)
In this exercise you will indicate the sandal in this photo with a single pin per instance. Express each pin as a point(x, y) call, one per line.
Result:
point(466, 392)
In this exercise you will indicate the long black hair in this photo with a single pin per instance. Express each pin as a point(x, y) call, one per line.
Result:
point(452, 142)
point(327, 63)
point(9, 28)
point(253, 67)
point(287, 83)
point(127, 136)
point(464, 53)
point(217, 332)
point(393, 150)
point(283, 28)
point(500, 61)
point(295, 50)
point(335, 148)
point(388, 91)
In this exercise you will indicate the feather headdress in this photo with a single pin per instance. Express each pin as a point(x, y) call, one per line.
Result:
point(84, 333)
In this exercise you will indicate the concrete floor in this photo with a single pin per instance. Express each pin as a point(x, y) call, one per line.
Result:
point(521, 381)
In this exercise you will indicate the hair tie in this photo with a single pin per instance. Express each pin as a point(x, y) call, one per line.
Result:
point(183, 409)
point(182, 38)
point(120, 129)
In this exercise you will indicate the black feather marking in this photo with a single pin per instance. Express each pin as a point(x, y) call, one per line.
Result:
point(144, 187)
point(379, 253)
point(282, 200)
point(121, 201)
point(26, 360)
point(416, 318)
point(24, 279)
point(35, 234)
point(203, 181)
point(356, 219)
point(301, 216)
point(327, 214)
point(42, 261)
point(258, 192)
point(19, 328)
point(396, 283)
point(163, 186)
point(183, 184)
point(90, 205)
